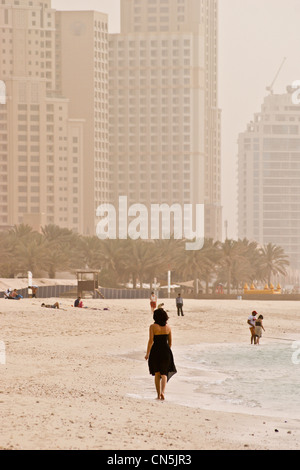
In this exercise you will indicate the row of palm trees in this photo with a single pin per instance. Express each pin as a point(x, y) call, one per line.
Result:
point(232, 263)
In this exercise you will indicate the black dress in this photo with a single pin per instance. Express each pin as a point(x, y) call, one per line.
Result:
point(161, 357)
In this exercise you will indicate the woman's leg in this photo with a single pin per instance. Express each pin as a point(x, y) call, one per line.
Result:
point(163, 386)
point(157, 384)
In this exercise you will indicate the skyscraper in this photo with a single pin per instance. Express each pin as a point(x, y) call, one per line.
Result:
point(269, 176)
point(41, 148)
point(164, 119)
point(82, 72)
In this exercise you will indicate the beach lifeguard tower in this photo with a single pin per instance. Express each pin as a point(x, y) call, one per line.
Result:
point(87, 283)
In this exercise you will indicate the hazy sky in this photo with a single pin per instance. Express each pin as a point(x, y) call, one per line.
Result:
point(254, 37)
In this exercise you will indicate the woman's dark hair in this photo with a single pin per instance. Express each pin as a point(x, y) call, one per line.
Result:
point(160, 317)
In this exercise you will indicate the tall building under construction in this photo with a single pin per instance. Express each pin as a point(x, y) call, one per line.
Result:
point(269, 176)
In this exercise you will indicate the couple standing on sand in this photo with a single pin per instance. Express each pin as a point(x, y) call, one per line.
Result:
point(179, 304)
point(256, 327)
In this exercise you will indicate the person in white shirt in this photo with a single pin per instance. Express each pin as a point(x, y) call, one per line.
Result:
point(251, 322)
point(7, 293)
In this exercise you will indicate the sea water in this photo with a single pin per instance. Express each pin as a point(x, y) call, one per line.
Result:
point(257, 379)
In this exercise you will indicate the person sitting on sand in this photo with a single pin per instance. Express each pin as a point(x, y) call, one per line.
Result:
point(78, 303)
point(258, 328)
point(7, 294)
point(14, 295)
point(56, 305)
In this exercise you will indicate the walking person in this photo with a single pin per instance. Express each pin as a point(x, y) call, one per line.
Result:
point(179, 305)
point(251, 322)
point(159, 354)
point(258, 329)
point(153, 302)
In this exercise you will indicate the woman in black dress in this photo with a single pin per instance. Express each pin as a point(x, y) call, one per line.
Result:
point(159, 354)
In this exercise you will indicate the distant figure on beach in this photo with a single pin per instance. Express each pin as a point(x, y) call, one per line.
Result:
point(153, 301)
point(14, 295)
point(179, 305)
point(251, 322)
point(78, 303)
point(159, 354)
point(7, 294)
point(56, 305)
point(34, 291)
point(258, 329)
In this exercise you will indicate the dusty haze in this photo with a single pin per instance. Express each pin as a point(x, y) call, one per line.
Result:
point(254, 37)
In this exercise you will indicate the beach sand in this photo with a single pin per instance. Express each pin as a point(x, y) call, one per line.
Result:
point(74, 379)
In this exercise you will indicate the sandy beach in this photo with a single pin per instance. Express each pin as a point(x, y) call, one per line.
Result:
point(77, 378)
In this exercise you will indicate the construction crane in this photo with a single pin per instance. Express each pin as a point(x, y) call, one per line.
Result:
point(270, 88)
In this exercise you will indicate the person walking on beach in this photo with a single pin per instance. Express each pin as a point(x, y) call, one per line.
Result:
point(258, 329)
point(251, 322)
point(153, 302)
point(179, 305)
point(159, 354)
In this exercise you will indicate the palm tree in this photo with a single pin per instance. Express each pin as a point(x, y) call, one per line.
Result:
point(54, 233)
point(6, 258)
point(200, 264)
point(21, 232)
point(111, 260)
point(209, 262)
point(89, 251)
point(16, 239)
point(273, 261)
point(232, 254)
point(167, 255)
point(62, 249)
point(191, 265)
point(140, 260)
point(31, 255)
point(246, 269)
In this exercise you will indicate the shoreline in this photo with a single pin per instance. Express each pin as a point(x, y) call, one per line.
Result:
point(67, 384)
point(194, 383)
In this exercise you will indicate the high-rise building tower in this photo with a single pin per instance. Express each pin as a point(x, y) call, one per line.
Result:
point(41, 148)
point(164, 119)
point(269, 176)
point(82, 77)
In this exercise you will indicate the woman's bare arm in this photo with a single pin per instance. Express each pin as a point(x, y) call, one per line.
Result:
point(170, 338)
point(150, 342)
